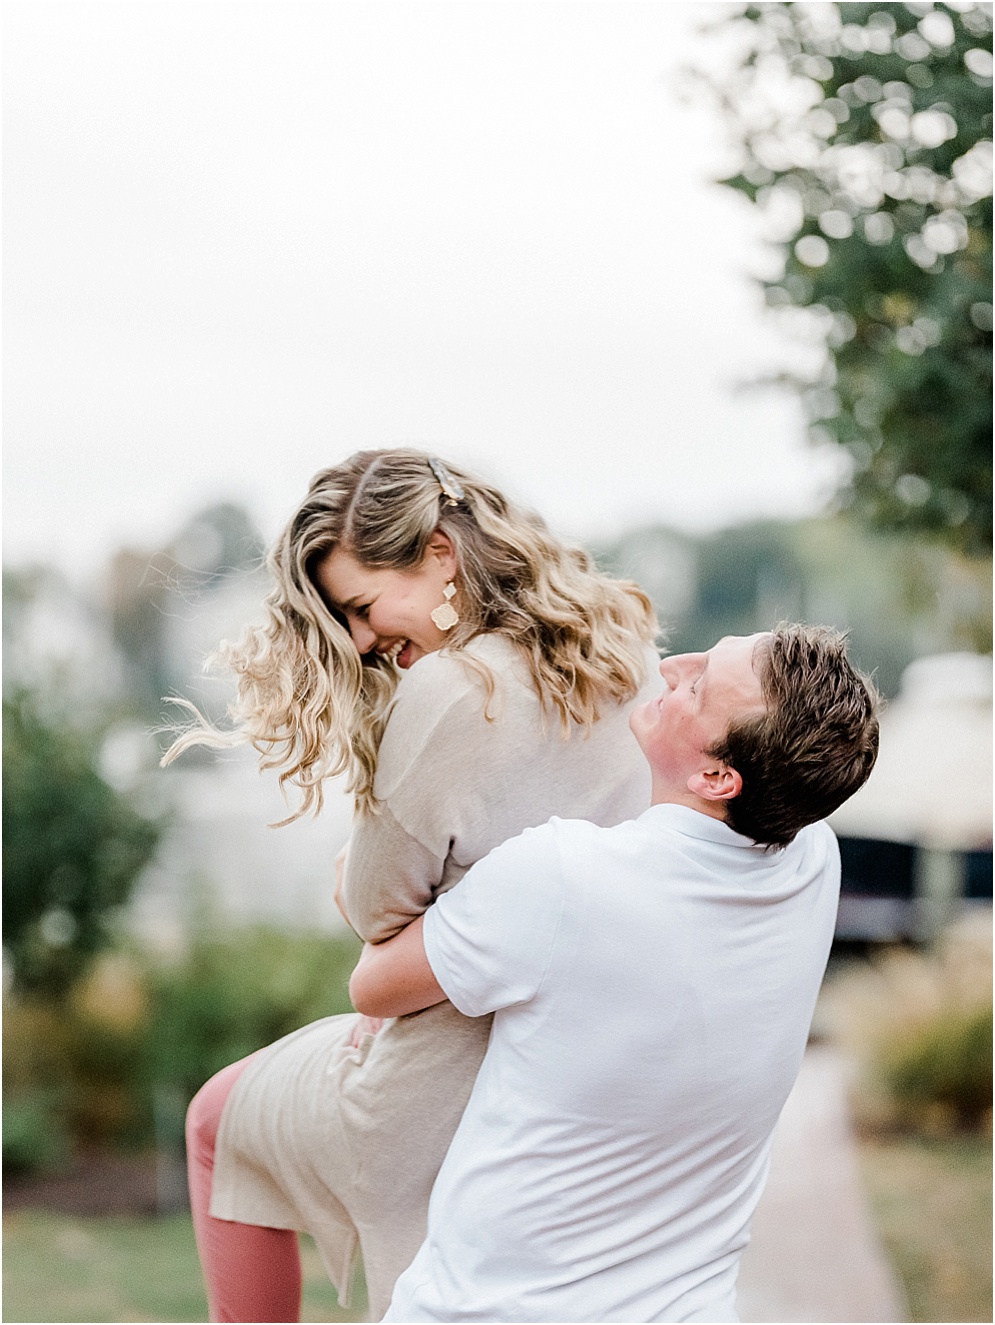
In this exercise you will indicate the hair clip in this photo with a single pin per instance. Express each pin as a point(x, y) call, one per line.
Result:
point(446, 482)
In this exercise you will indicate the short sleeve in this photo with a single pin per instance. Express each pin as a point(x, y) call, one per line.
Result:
point(489, 941)
point(390, 877)
point(397, 855)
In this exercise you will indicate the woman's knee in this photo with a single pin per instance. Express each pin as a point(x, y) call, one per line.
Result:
point(207, 1106)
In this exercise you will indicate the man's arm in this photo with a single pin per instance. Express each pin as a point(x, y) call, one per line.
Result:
point(394, 977)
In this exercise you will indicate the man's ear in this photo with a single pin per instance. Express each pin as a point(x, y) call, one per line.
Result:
point(720, 783)
point(440, 546)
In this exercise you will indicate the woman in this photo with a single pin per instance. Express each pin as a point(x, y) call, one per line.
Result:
point(472, 677)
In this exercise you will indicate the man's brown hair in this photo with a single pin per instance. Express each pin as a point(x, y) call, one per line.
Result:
point(815, 744)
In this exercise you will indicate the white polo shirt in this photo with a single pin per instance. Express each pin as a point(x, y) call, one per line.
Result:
point(653, 986)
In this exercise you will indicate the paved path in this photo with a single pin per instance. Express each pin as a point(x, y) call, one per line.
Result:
point(814, 1255)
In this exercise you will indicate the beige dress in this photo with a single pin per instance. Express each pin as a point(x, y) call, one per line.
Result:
point(345, 1143)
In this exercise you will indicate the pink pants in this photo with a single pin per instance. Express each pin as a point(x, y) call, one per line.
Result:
point(252, 1273)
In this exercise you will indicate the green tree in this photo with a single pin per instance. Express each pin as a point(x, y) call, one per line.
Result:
point(73, 846)
point(864, 138)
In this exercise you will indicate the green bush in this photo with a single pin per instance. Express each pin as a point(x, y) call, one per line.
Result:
point(34, 1136)
point(944, 1071)
point(233, 994)
point(73, 848)
point(116, 1060)
point(917, 1027)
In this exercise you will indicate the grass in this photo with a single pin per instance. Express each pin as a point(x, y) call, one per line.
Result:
point(932, 1200)
point(60, 1268)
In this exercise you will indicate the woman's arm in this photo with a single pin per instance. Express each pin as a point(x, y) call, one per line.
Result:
point(394, 978)
point(388, 877)
point(398, 855)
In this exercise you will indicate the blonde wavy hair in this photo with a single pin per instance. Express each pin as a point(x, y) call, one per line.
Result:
point(314, 709)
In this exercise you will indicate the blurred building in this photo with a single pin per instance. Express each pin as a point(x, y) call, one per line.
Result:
point(59, 645)
point(916, 840)
point(105, 660)
point(220, 863)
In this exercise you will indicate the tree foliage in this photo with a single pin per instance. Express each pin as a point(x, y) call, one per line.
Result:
point(73, 846)
point(864, 132)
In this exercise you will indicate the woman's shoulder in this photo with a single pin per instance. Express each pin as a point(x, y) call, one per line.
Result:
point(463, 708)
point(442, 671)
point(501, 654)
point(448, 676)
point(439, 709)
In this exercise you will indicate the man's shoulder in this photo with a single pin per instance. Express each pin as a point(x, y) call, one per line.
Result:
point(554, 849)
point(819, 840)
point(576, 843)
point(549, 838)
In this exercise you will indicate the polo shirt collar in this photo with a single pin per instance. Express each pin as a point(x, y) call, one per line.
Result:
point(692, 823)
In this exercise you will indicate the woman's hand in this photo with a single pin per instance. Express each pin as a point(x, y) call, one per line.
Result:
point(365, 1026)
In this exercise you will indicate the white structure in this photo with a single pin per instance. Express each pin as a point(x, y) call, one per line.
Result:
point(930, 789)
point(220, 859)
point(932, 784)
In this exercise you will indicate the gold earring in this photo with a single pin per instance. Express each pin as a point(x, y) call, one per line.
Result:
point(445, 615)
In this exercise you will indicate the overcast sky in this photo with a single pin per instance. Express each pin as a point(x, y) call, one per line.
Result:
point(245, 239)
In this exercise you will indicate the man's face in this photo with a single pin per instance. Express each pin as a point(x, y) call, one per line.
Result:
point(703, 694)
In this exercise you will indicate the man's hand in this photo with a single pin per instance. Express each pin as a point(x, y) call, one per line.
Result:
point(394, 978)
point(365, 1026)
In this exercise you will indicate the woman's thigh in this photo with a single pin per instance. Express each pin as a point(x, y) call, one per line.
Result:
point(345, 1142)
point(283, 1157)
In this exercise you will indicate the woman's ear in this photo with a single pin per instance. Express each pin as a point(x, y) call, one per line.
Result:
point(440, 546)
point(720, 783)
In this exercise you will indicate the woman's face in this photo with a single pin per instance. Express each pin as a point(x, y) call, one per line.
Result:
point(389, 611)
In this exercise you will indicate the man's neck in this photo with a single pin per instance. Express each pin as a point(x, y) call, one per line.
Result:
point(668, 796)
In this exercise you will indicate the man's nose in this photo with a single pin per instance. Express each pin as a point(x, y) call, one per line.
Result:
point(676, 664)
point(669, 671)
point(672, 663)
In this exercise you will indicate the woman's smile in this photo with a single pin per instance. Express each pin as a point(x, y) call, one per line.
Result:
point(389, 612)
point(400, 652)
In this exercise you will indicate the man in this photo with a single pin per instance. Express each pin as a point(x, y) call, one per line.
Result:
point(653, 986)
